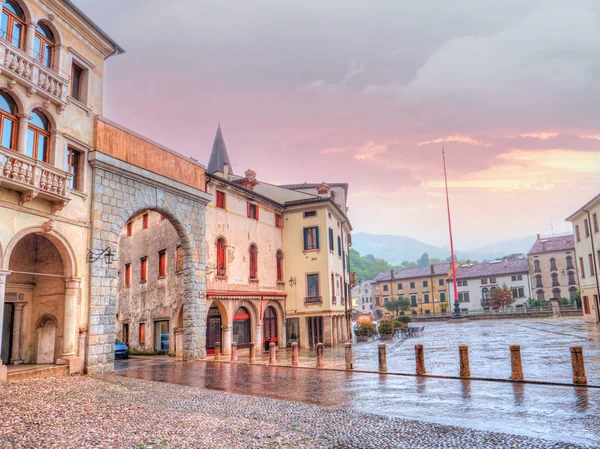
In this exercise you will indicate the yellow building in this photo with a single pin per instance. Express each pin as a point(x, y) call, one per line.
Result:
point(425, 287)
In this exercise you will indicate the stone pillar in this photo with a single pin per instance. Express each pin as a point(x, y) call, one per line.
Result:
point(320, 357)
point(22, 135)
point(272, 354)
point(29, 35)
point(349, 363)
point(15, 358)
point(383, 358)
point(70, 320)
point(234, 352)
point(252, 352)
point(217, 351)
point(327, 331)
point(344, 329)
point(420, 360)
point(227, 345)
point(294, 354)
point(516, 363)
point(465, 367)
point(555, 307)
point(3, 274)
point(334, 334)
point(258, 338)
point(579, 376)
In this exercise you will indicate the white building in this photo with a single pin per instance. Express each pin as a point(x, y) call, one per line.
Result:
point(586, 232)
point(475, 283)
point(362, 298)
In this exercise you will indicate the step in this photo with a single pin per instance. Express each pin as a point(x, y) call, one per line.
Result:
point(36, 373)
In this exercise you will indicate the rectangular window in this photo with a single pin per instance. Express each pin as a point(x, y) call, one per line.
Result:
point(582, 267)
point(277, 221)
point(441, 282)
point(312, 285)
point(145, 221)
point(310, 213)
point(514, 292)
point(162, 263)
point(513, 278)
point(339, 246)
point(442, 296)
point(220, 199)
point(492, 280)
point(127, 275)
point(428, 312)
point(77, 75)
point(399, 286)
point(412, 285)
point(425, 284)
point(520, 277)
point(142, 334)
point(74, 167)
point(577, 234)
point(586, 305)
point(586, 228)
point(426, 298)
point(591, 261)
point(521, 292)
point(143, 269)
point(253, 211)
point(595, 220)
point(331, 240)
point(484, 281)
point(385, 288)
point(179, 260)
point(413, 301)
point(126, 333)
point(130, 229)
point(311, 238)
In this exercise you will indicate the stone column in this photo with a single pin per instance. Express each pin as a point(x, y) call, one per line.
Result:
point(70, 320)
point(465, 367)
point(383, 358)
point(334, 334)
point(258, 338)
point(294, 354)
point(327, 331)
point(234, 352)
point(272, 354)
point(29, 35)
point(22, 135)
point(15, 358)
point(283, 339)
point(579, 376)
point(420, 360)
point(516, 363)
point(320, 357)
point(226, 340)
point(252, 353)
point(348, 349)
point(3, 275)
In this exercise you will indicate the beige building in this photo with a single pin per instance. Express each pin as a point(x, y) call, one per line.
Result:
point(586, 233)
point(425, 287)
point(552, 268)
point(52, 63)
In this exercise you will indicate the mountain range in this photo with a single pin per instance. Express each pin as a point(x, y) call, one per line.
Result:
point(396, 248)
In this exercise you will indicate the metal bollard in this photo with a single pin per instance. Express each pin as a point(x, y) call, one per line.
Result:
point(272, 354)
point(420, 360)
point(320, 357)
point(465, 366)
point(217, 351)
point(383, 358)
point(349, 364)
point(252, 353)
point(516, 362)
point(234, 352)
point(579, 376)
point(294, 354)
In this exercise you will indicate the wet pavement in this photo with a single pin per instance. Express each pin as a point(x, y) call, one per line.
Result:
point(569, 414)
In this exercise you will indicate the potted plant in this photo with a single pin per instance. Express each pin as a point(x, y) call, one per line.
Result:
point(364, 330)
point(386, 329)
point(404, 319)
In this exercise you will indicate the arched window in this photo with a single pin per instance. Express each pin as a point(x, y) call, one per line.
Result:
point(572, 292)
point(8, 111)
point(43, 45)
point(253, 258)
point(221, 268)
point(485, 293)
point(485, 298)
point(553, 264)
point(13, 24)
point(572, 280)
point(538, 268)
point(556, 293)
point(279, 266)
point(555, 281)
point(38, 137)
point(540, 295)
point(570, 263)
point(538, 281)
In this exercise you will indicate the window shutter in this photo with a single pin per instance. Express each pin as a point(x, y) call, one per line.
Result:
point(305, 239)
point(257, 210)
point(317, 236)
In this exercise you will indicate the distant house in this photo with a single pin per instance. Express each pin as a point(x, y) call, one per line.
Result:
point(362, 298)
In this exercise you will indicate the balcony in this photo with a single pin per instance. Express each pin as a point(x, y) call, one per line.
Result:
point(333, 300)
point(29, 72)
point(313, 300)
point(33, 178)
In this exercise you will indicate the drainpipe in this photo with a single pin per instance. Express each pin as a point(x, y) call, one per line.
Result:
point(595, 264)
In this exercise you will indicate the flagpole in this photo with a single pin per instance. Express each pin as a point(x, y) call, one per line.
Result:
point(457, 313)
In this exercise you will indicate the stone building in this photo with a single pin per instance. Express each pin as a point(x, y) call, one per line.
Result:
point(362, 299)
point(552, 268)
point(586, 233)
point(52, 66)
point(426, 287)
point(477, 281)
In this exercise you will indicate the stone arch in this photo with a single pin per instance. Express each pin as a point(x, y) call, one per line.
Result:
point(47, 112)
point(254, 318)
point(44, 318)
point(123, 191)
point(45, 336)
point(62, 245)
point(21, 107)
point(26, 12)
point(222, 309)
point(55, 30)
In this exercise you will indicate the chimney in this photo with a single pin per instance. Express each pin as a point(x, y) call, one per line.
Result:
point(538, 236)
point(226, 170)
point(249, 181)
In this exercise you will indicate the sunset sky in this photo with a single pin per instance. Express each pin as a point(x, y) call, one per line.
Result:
point(368, 92)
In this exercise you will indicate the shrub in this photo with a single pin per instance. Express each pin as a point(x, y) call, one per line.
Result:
point(404, 319)
point(386, 327)
point(365, 329)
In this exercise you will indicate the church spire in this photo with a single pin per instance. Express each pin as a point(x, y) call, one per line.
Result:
point(218, 155)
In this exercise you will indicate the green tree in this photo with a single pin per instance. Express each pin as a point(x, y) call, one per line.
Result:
point(367, 267)
point(423, 260)
point(501, 297)
point(396, 306)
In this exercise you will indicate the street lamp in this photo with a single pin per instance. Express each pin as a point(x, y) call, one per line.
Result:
point(109, 255)
point(292, 281)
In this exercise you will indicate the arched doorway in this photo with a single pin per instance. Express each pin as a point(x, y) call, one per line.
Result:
point(213, 329)
point(241, 327)
point(270, 325)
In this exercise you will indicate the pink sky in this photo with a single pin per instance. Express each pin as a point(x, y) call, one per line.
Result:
point(368, 93)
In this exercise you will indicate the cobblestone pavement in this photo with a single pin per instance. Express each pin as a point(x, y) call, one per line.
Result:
point(117, 412)
point(570, 414)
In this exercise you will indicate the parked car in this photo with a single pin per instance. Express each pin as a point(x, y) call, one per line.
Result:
point(120, 349)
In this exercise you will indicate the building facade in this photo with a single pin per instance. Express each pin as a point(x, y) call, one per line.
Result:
point(477, 281)
point(552, 268)
point(586, 234)
point(52, 62)
point(425, 287)
point(362, 298)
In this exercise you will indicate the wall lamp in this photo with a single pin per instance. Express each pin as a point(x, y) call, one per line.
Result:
point(109, 255)
point(292, 281)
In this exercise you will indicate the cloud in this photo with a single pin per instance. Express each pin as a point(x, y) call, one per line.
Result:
point(321, 85)
point(590, 136)
point(452, 138)
point(370, 150)
point(333, 150)
point(543, 135)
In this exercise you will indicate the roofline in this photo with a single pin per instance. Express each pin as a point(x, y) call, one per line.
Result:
point(531, 253)
point(318, 199)
point(245, 190)
point(308, 185)
point(583, 208)
point(508, 273)
point(118, 49)
point(417, 277)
